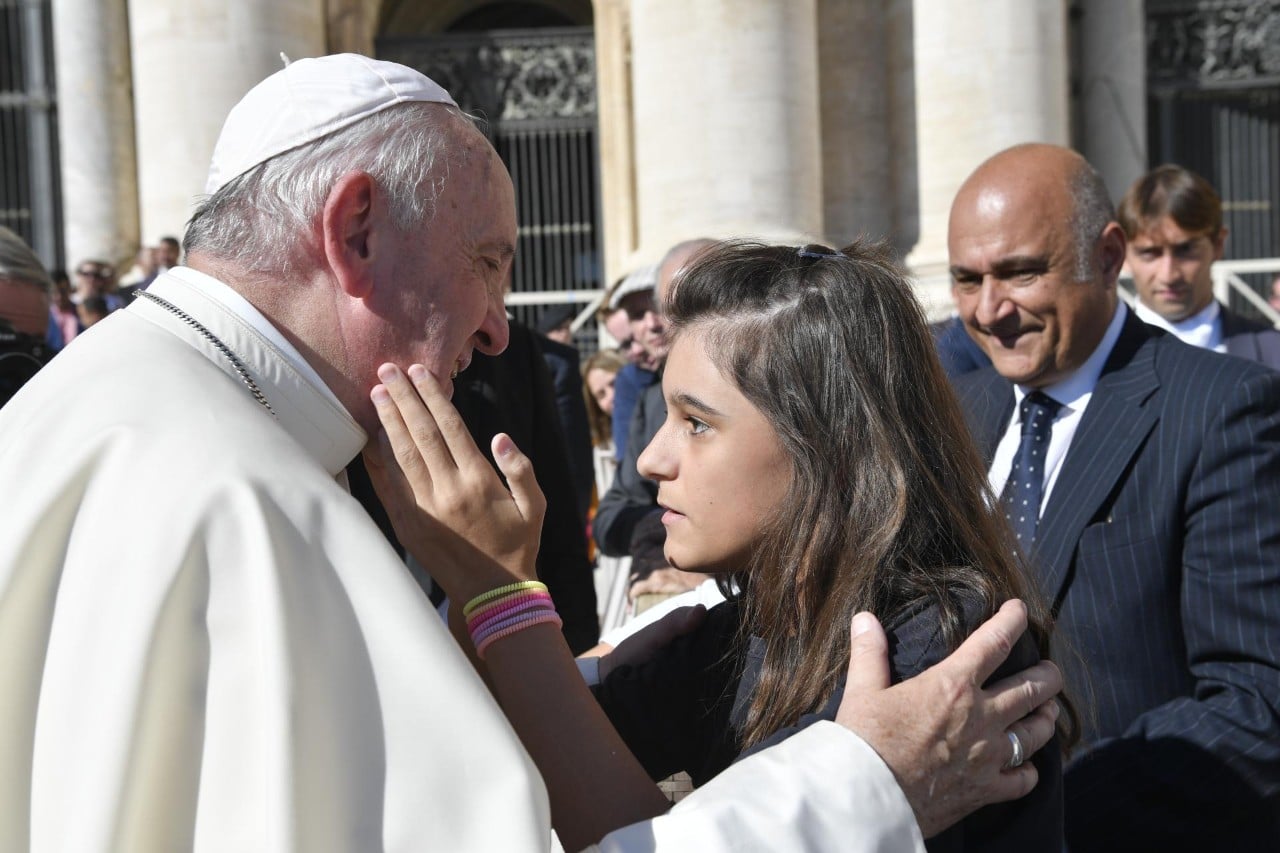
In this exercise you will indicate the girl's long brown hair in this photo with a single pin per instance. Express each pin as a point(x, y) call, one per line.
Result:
point(888, 506)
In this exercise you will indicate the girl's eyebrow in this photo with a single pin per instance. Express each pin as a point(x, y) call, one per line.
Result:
point(687, 400)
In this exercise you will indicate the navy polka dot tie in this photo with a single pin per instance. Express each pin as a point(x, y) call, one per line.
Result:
point(1026, 479)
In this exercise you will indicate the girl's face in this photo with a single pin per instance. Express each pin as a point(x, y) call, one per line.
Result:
point(720, 467)
point(600, 382)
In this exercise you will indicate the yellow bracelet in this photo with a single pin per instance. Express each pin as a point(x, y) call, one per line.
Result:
point(500, 591)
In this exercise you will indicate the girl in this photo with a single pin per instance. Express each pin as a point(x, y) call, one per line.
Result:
point(814, 450)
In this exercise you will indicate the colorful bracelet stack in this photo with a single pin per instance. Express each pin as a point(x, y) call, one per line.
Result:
point(503, 611)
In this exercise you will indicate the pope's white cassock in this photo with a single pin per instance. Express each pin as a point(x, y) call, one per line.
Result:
point(206, 644)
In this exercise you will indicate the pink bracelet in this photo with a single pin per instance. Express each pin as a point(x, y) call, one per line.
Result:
point(538, 619)
point(484, 625)
point(506, 621)
point(485, 614)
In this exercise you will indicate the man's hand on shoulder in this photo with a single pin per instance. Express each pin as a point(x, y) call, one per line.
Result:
point(943, 735)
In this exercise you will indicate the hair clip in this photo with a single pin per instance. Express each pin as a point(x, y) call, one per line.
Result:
point(813, 250)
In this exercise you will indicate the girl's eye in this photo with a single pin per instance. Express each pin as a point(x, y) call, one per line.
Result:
point(696, 427)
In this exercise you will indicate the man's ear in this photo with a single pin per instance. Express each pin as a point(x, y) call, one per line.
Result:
point(1111, 251)
point(1219, 243)
point(347, 231)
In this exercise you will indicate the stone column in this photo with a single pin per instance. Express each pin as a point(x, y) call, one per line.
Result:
point(194, 61)
point(988, 74)
point(617, 152)
point(351, 25)
point(1113, 90)
point(95, 129)
point(726, 118)
point(853, 69)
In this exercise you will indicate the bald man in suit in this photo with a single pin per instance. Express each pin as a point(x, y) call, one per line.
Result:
point(1142, 476)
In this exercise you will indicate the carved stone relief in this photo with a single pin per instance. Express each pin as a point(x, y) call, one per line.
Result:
point(1214, 42)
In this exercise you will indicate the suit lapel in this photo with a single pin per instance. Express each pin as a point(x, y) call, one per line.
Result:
point(1113, 428)
point(1238, 336)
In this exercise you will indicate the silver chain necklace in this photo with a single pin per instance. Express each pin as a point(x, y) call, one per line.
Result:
point(236, 364)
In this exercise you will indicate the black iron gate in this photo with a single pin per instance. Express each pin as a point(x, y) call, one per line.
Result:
point(1213, 105)
point(30, 201)
point(536, 92)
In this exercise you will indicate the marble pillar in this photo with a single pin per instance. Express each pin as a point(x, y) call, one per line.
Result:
point(192, 62)
point(1113, 90)
point(988, 74)
point(726, 121)
point(351, 25)
point(854, 97)
point(618, 238)
point(95, 129)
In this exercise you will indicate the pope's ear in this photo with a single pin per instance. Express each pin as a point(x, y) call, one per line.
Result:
point(347, 233)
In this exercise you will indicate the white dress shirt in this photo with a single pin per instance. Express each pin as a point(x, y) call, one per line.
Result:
point(1202, 329)
point(1073, 393)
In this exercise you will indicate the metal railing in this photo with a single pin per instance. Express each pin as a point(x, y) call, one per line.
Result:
point(1226, 278)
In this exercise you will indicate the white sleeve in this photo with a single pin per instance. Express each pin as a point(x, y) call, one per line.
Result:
point(822, 789)
point(707, 594)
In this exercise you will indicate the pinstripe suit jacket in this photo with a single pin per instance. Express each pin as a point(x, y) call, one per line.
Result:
point(1159, 551)
point(1250, 339)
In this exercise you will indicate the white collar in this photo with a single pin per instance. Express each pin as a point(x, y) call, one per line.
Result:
point(245, 310)
point(1201, 329)
point(1075, 390)
point(304, 406)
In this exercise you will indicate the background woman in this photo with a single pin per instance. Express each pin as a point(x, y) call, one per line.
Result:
point(597, 391)
point(598, 374)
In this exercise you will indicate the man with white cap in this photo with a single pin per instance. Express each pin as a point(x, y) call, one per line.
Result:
point(247, 665)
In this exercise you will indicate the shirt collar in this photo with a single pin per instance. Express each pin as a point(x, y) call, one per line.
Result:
point(1074, 391)
point(1200, 329)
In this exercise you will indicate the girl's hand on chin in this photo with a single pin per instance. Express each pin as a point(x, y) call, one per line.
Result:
point(447, 505)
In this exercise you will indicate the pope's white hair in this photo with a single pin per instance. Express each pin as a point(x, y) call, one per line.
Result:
point(263, 221)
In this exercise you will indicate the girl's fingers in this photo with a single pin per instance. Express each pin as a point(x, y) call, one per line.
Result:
point(449, 424)
point(400, 454)
point(518, 470)
point(419, 423)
